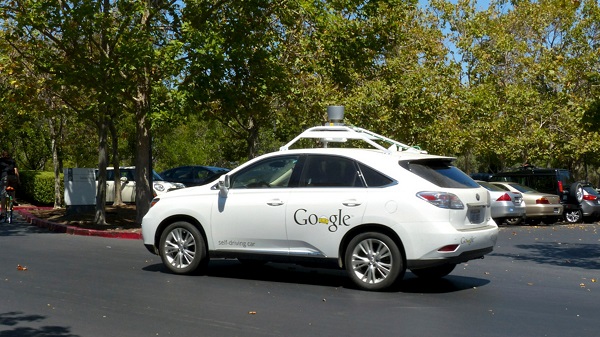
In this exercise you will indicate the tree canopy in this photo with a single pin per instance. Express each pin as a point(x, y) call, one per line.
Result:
point(159, 84)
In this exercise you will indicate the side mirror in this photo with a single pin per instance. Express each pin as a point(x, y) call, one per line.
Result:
point(224, 184)
point(124, 180)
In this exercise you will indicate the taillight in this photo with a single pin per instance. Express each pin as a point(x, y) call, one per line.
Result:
point(504, 197)
point(560, 186)
point(542, 201)
point(442, 199)
point(589, 197)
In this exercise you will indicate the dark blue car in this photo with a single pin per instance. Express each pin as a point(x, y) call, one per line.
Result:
point(193, 175)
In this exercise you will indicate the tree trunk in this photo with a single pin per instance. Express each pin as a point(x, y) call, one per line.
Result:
point(143, 161)
point(100, 216)
point(56, 125)
point(115, 162)
point(143, 158)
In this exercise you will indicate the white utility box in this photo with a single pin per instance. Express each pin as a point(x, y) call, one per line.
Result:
point(80, 186)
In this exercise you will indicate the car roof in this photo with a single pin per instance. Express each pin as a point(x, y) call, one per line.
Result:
point(530, 171)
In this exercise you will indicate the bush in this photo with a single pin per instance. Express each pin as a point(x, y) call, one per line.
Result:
point(37, 187)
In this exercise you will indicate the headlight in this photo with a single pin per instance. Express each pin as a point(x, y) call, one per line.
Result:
point(159, 187)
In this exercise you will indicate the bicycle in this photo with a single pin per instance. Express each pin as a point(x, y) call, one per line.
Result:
point(10, 191)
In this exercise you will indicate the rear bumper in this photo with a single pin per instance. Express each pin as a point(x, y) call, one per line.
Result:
point(544, 211)
point(508, 211)
point(463, 257)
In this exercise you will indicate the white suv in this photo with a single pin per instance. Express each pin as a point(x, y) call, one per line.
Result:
point(375, 212)
point(127, 174)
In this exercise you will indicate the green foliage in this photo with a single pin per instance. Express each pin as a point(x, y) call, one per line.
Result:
point(228, 80)
point(37, 187)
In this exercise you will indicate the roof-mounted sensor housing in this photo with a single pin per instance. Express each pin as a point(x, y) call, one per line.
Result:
point(336, 131)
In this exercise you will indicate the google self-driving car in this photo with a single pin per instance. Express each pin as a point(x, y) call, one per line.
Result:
point(374, 212)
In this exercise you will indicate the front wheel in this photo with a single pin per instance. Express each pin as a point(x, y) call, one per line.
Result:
point(182, 248)
point(573, 215)
point(373, 261)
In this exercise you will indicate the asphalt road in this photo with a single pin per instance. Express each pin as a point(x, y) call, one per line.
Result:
point(539, 281)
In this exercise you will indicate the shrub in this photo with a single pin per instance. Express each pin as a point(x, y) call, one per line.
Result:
point(37, 187)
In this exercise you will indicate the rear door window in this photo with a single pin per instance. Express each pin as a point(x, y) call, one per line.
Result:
point(330, 171)
point(440, 172)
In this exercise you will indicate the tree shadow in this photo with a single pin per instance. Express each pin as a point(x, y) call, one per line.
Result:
point(296, 274)
point(20, 228)
point(13, 318)
point(559, 254)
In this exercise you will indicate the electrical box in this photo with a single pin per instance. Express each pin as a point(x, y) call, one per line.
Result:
point(80, 186)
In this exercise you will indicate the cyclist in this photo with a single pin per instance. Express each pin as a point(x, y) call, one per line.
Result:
point(9, 176)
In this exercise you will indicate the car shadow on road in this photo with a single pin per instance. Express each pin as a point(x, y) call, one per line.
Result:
point(291, 273)
point(559, 254)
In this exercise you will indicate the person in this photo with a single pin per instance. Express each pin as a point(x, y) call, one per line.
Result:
point(9, 176)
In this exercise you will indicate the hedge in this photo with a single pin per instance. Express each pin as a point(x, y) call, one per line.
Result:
point(37, 187)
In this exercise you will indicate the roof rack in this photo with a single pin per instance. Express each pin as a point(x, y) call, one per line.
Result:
point(336, 131)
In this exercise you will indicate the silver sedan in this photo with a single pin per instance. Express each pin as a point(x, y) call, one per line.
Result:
point(506, 206)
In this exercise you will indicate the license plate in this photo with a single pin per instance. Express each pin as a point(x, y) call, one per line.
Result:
point(556, 210)
point(476, 214)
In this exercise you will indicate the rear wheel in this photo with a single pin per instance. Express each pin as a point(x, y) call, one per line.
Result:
point(182, 248)
point(433, 273)
point(573, 215)
point(514, 221)
point(374, 261)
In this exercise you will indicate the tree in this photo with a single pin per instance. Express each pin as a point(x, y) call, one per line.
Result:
point(519, 78)
point(120, 43)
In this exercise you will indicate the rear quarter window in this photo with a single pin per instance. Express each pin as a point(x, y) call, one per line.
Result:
point(374, 178)
point(440, 172)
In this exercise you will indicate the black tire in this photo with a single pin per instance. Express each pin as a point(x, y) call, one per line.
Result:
point(514, 221)
point(373, 261)
point(576, 192)
point(573, 215)
point(434, 273)
point(182, 248)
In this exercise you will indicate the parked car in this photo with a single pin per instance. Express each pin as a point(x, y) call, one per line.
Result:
point(507, 206)
point(193, 175)
point(591, 201)
point(127, 174)
point(553, 181)
point(538, 206)
point(374, 212)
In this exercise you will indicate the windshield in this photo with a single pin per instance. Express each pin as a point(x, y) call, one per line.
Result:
point(523, 189)
point(156, 176)
point(490, 187)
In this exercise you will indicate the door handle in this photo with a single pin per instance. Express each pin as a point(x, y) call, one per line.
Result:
point(351, 203)
point(275, 202)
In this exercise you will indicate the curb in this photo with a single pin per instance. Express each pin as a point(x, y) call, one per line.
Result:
point(60, 228)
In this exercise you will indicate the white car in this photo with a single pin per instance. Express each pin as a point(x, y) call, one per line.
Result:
point(159, 185)
point(375, 212)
